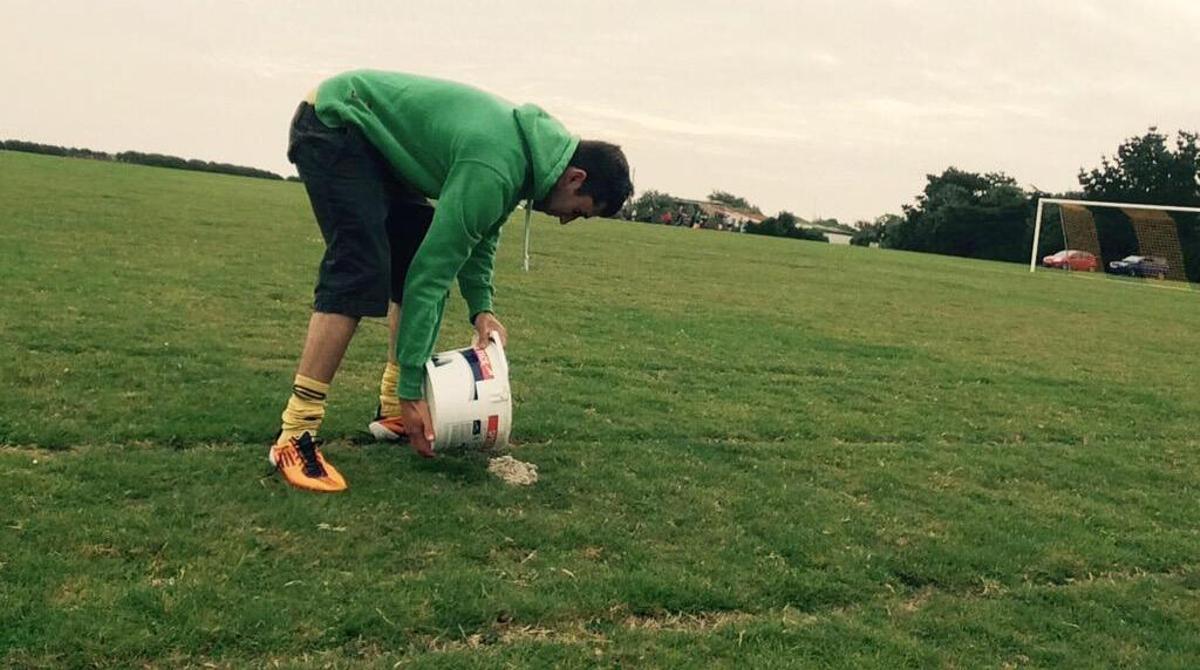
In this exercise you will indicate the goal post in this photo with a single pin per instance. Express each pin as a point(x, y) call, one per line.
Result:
point(1167, 237)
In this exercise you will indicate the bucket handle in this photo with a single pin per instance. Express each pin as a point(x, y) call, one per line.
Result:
point(494, 335)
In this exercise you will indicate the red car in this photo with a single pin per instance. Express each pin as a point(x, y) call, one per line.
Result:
point(1072, 259)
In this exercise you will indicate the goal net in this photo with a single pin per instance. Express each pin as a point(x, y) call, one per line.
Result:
point(1147, 241)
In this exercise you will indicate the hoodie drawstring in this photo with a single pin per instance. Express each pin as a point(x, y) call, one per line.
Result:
point(528, 215)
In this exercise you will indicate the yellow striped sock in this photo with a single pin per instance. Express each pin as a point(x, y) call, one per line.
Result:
point(305, 408)
point(389, 402)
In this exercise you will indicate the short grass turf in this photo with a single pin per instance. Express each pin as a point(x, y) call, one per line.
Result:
point(753, 453)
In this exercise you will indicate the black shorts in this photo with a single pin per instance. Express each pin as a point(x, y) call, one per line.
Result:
point(372, 222)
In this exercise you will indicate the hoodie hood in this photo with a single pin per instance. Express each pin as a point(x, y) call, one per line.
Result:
point(548, 145)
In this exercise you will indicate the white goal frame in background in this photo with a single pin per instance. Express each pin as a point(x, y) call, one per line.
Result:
point(1037, 226)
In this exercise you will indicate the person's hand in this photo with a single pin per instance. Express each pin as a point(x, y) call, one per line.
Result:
point(486, 322)
point(419, 426)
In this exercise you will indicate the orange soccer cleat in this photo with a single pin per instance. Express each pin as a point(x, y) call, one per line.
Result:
point(388, 428)
point(303, 466)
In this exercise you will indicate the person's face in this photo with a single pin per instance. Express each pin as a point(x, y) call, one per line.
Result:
point(565, 201)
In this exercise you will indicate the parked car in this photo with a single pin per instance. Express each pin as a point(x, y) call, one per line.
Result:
point(1072, 259)
point(1141, 266)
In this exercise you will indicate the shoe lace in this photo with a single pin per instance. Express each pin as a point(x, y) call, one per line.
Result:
point(307, 447)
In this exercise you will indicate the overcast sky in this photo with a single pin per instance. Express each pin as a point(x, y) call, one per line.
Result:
point(835, 108)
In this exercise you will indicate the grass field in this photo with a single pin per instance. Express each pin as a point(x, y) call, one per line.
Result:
point(754, 453)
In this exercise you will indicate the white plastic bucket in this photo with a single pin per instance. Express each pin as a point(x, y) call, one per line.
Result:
point(469, 398)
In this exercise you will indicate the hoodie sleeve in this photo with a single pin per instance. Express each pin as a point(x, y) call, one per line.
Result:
point(472, 201)
point(475, 278)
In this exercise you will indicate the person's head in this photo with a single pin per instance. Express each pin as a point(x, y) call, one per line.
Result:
point(595, 183)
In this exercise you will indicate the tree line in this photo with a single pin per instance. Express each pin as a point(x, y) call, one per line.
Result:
point(140, 158)
point(989, 216)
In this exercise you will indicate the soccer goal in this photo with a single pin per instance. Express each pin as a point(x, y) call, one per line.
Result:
point(1149, 241)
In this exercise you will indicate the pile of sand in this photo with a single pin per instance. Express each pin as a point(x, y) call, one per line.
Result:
point(513, 471)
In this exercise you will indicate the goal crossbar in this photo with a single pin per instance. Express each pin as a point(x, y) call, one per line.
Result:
point(1037, 227)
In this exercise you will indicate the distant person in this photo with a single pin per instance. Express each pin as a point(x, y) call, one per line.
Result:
point(371, 147)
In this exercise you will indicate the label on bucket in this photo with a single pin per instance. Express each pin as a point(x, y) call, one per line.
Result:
point(458, 435)
point(467, 434)
point(485, 365)
point(481, 364)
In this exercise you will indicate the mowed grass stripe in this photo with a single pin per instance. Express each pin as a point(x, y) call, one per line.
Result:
point(753, 451)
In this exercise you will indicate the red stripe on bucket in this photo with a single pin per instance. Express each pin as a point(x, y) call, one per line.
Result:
point(485, 364)
point(493, 428)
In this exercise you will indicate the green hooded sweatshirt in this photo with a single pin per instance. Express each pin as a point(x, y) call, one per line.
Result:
point(477, 155)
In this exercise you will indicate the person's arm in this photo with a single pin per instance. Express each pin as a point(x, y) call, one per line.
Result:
point(471, 202)
point(475, 277)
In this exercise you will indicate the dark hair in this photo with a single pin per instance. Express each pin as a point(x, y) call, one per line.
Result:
point(607, 174)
